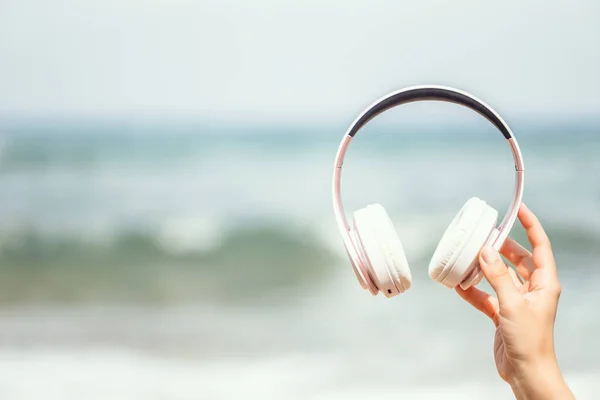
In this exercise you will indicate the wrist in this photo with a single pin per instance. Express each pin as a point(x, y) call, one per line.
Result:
point(542, 380)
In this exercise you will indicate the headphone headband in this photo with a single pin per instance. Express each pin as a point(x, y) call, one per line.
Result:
point(424, 93)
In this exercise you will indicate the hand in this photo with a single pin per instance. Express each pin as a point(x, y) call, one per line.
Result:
point(523, 312)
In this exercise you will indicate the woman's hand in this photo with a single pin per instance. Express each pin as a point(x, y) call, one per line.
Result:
point(523, 312)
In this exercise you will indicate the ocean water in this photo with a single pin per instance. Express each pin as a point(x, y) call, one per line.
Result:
point(147, 261)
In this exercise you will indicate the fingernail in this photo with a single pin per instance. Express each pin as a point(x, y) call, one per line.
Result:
point(489, 254)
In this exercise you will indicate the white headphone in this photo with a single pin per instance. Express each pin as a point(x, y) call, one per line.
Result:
point(373, 246)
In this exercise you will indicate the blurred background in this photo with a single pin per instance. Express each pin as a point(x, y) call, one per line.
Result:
point(166, 225)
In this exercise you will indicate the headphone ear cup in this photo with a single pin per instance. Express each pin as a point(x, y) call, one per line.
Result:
point(457, 252)
point(383, 250)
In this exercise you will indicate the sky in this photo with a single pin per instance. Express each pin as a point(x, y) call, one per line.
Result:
point(266, 60)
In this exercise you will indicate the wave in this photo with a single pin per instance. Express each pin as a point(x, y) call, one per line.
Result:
point(247, 263)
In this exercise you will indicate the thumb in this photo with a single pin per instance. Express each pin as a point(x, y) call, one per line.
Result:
point(496, 273)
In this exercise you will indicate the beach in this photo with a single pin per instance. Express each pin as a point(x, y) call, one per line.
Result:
point(203, 262)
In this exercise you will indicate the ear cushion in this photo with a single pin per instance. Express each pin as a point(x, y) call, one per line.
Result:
point(462, 241)
point(382, 249)
point(474, 276)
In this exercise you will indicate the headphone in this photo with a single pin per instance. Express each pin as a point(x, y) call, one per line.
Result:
point(372, 244)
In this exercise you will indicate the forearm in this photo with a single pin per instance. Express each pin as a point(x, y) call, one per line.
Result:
point(544, 382)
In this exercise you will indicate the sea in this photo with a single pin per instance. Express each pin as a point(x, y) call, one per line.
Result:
point(192, 260)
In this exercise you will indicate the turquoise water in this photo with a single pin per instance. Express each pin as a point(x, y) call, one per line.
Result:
point(191, 255)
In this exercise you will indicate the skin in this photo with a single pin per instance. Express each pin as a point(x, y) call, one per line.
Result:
point(523, 312)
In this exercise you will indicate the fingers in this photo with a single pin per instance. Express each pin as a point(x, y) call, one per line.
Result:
point(518, 256)
point(515, 278)
point(540, 242)
point(542, 256)
point(482, 301)
point(498, 276)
